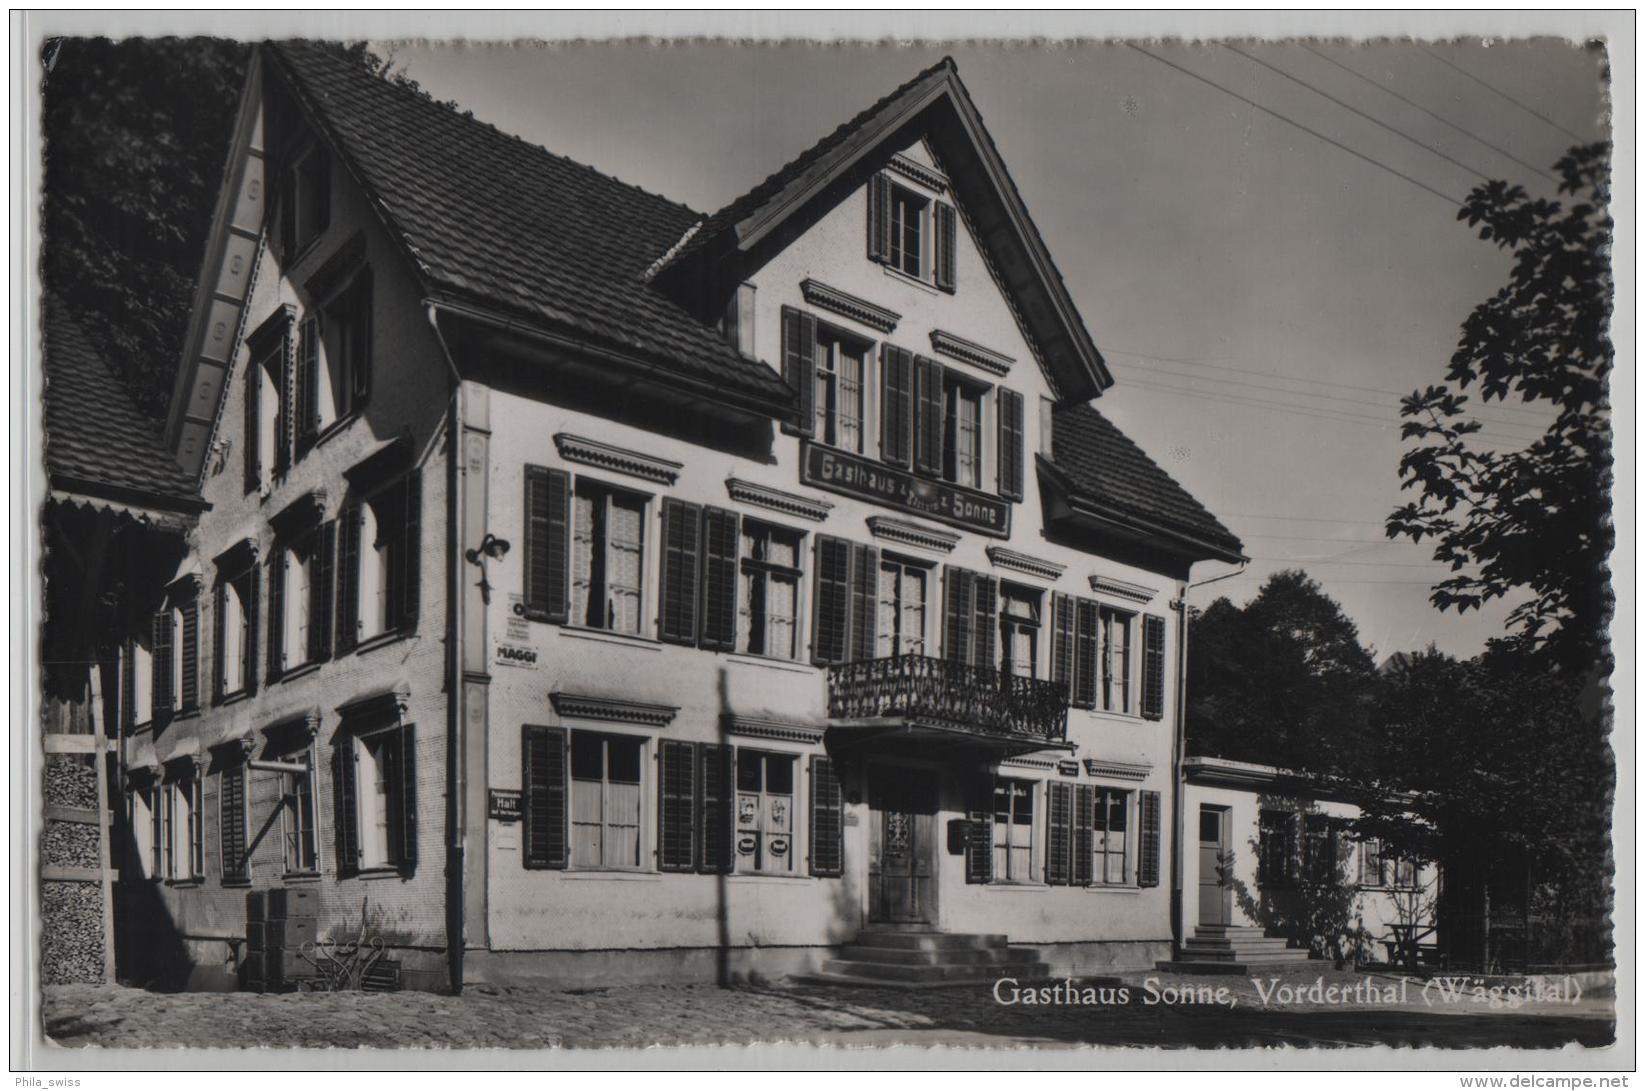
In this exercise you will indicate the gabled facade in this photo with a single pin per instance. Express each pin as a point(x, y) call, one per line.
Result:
point(638, 594)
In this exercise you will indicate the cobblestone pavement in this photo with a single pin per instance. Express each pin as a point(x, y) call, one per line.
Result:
point(537, 1018)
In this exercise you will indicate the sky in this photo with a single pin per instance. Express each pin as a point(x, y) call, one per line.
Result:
point(1262, 296)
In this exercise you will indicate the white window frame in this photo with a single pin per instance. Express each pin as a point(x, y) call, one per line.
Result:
point(764, 800)
point(297, 554)
point(269, 374)
point(603, 495)
point(377, 851)
point(334, 386)
point(835, 347)
point(959, 391)
point(894, 641)
point(1117, 664)
point(1034, 793)
point(1102, 847)
point(140, 665)
point(645, 860)
point(189, 840)
point(752, 570)
point(145, 829)
point(1031, 619)
point(899, 197)
point(236, 637)
point(177, 665)
point(305, 233)
point(290, 803)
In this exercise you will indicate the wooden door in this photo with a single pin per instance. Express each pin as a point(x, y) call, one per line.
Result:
point(902, 807)
point(1215, 867)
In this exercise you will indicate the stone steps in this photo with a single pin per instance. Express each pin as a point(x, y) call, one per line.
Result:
point(1232, 949)
point(912, 959)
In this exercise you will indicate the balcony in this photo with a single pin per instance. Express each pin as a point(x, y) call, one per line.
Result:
point(919, 691)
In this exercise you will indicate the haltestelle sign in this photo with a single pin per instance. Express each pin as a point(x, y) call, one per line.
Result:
point(854, 476)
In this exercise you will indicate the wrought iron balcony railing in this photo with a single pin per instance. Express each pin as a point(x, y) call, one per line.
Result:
point(972, 699)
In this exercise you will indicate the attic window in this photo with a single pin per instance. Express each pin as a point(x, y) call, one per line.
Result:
point(305, 201)
point(911, 233)
point(908, 211)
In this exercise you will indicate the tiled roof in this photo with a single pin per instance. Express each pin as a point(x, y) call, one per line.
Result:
point(496, 219)
point(97, 440)
point(1107, 468)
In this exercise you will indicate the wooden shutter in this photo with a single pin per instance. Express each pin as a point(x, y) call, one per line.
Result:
point(406, 805)
point(348, 580)
point(714, 842)
point(800, 368)
point(1059, 818)
point(979, 840)
point(682, 529)
point(1153, 666)
point(543, 764)
point(831, 604)
point(321, 592)
point(827, 820)
point(308, 382)
point(958, 598)
point(128, 683)
point(985, 626)
point(411, 552)
point(676, 806)
point(547, 544)
point(219, 602)
point(1084, 819)
point(1148, 843)
point(361, 313)
point(879, 218)
point(1062, 643)
point(947, 238)
point(719, 580)
point(254, 587)
point(232, 812)
point(188, 697)
point(928, 416)
point(865, 576)
point(283, 424)
point(1085, 654)
point(160, 662)
point(277, 650)
point(253, 433)
point(1011, 444)
point(348, 809)
point(896, 405)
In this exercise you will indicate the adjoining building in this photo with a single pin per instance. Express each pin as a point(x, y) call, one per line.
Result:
point(597, 590)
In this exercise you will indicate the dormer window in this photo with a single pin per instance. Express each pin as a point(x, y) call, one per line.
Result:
point(305, 201)
point(912, 233)
point(908, 212)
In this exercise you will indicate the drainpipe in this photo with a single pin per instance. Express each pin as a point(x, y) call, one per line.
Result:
point(456, 778)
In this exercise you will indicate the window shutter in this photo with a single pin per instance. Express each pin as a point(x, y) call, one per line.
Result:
point(547, 544)
point(308, 381)
point(1153, 666)
point(283, 429)
point(896, 405)
point(827, 820)
point(719, 580)
point(277, 650)
point(411, 559)
point(253, 433)
point(714, 843)
point(359, 305)
point(927, 416)
point(676, 806)
point(800, 368)
point(865, 576)
point(1148, 855)
point(1011, 446)
point(545, 797)
point(189, 698)
point(248, 669)
point(958, 596)
point(348, 580)
point(947, 237)
point(831, 608)
point(979, 840)
point(321, 592)
point(219, 600)
point(1085, 812)
point(1058, 820)
point(406, 767)
point(128, 684)
point(232, 811)
point(984, 627)
point(879, 218)
point(196, 829)
point(160, 661)
point(348, 811)
point(1085, 655)
point(682, 526)
point(1062, 643)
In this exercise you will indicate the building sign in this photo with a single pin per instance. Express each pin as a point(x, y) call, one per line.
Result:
point(1068, 768)
point(514, 655)
point(854, 476)
point(518, 629)
point(505, 804)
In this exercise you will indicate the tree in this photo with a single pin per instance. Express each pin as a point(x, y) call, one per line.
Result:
point(1534, 521)
point(136, 135)
point(1281, 681)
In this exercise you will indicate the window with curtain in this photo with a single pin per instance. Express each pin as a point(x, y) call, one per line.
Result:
point(606, 800)
point(608, 557)
point(841, 368)
point(1019, 631)
point(1013, 831)
point(902, 602)
point(1108, 836)
point(769, 601)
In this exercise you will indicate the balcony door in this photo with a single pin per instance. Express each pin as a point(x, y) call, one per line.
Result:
point(902, 598)
point(902, 805)
point(1215, 868)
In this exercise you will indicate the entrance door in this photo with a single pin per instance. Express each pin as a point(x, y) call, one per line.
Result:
point(1216, 895)
point(902, 806)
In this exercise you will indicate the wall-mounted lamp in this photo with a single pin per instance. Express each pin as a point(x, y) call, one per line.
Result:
point(490, 546)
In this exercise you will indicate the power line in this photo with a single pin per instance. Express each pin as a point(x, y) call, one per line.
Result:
point(1453, 202)
point(1321, 538)
point(1304, 518)
point(1356, 564)
point(1498, 91)
point(1357, 112)
point(1504, 152)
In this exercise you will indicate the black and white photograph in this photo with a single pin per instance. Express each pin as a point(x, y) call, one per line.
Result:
point(894, 545)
